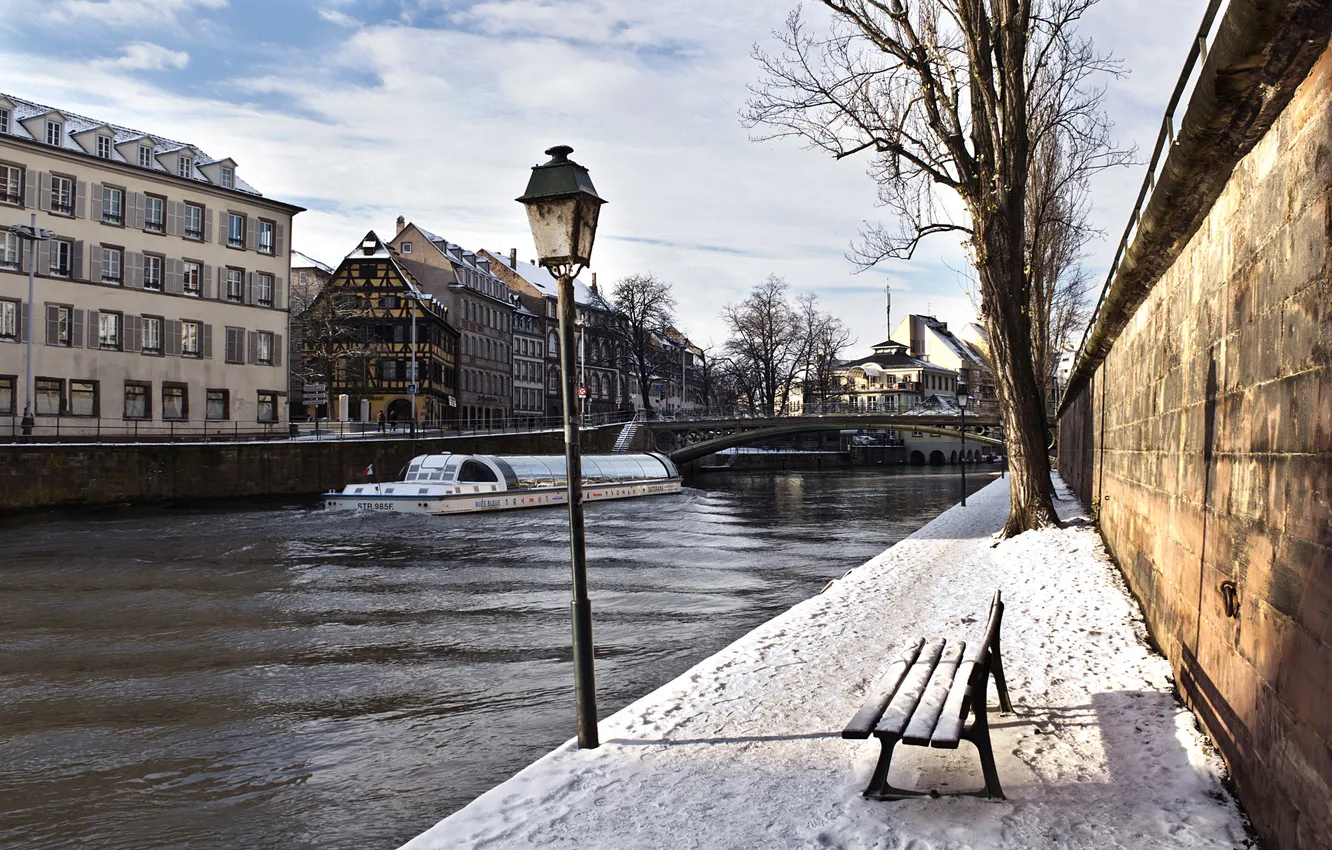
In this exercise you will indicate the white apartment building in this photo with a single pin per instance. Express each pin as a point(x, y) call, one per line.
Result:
point(162, 299)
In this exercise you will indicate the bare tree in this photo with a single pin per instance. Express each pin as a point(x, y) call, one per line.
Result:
point(825, 338)
point(767, 342)
point(950, 98)
point(645, 306)
point(335, 343)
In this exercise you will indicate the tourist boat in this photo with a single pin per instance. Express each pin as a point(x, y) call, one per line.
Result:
point(463, 484)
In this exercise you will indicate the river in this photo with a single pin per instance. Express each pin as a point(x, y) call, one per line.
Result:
point(279, 677)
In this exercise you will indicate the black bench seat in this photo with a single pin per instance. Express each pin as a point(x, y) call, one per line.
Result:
point(924, 700)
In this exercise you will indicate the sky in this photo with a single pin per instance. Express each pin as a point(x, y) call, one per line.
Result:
point(364, 110)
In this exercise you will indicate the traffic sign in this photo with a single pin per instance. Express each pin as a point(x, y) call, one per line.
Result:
point(411, 388)
point(582, 392)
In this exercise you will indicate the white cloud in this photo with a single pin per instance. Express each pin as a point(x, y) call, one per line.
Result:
point(146, 56)
point(342, 19)
point(441, 126)
point(121, 12)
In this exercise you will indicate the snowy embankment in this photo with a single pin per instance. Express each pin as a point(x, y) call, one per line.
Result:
point(744, 750)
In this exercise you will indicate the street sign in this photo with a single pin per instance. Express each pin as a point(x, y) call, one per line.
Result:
point(411, 389)
point(453, 401)
point(582, 392)
point(314, 394)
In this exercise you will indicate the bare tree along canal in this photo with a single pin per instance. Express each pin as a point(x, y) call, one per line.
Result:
point(283, 677)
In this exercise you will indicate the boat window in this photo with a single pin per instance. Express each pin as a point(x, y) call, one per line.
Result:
point(435, 476)
point(423, 491)
point(475, 470)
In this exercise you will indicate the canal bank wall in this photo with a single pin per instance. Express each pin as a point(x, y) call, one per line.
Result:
point(1199, 419)
point(54, 475)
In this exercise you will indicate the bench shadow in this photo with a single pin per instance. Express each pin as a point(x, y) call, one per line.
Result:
point(739, 739)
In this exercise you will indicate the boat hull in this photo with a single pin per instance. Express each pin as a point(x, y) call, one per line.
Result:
point(471, 503)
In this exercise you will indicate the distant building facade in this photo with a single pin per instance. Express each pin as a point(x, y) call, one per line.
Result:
point(929, 339)
point(890, 380)
point(161, 302)
point(308, 279)
point(529, 366)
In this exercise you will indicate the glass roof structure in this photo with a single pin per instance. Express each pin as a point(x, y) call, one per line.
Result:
point(527, 471)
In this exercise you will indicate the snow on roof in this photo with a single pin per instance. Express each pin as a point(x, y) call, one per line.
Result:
point(545, 283)
point(893, 361)
point(463, 257)
point(75, 124)
point(380, 252)
point(958, 347)
point(305, 261)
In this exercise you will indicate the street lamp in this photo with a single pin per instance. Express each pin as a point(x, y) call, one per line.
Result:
point(413, 296)
point(31, 234)
point(962, 455)
point(562, 210)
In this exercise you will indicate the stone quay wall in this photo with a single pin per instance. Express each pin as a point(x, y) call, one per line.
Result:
point(1204, 441)
point(53, 475)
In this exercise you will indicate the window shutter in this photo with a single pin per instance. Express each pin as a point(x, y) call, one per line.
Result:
point(252, 347)
point(95, 201)
point(76, 261)
point(25, 256)
point(171, 337)
point(94, 318)
point(43, 191)
point(222, 228)
point(30, 188)
point(44, 257)
point(206, 282)
point(76, 332)
point(206, 345)
point(277, 239)
point(22, 321)
point(277, 349)
point(95, 263)
point(135, 211)
point(81, 199)
point(173, 218)
point(251, 233)
point(208, 225)
point(175, 283)
point(131, 333)
point(279, 293)
point(249, 287)
point(133, 271)
point(52, 324)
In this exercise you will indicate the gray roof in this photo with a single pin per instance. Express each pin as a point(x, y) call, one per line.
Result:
point(893, 361)
point(75, 123)
point(545, 283)
point(305, 261)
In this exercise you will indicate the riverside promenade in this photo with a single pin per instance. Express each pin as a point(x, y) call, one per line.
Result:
point(744, 750)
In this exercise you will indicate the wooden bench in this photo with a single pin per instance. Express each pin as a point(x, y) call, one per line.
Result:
point(924, 699)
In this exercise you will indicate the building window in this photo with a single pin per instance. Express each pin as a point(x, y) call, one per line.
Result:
point(184, 167)
point(263, 289)
point(235, 230)
point(103, 152)
point(50, 394)
point(192, 278)
point(152, 272)
point(4, 121)
point(235, 285)
point(268, 410)
point(235, 345)
point(265, 237)
point(9, 250)
point(7, 395)
point(138, 404)
point(62, 195)
point(108, 330)
point(194, 221)
point(112, 263)
point(152, 335)
point(406, 247)
point(154, 214)
point(53, 133)
point(11, 184)
point(83, 398)
point(264, 348)
point(190, 333)
point(113, 205)
point(219, 405)
point(59, 321)
point(9, 320)
point(145, 156)
point(228, 177)
point(62, 258)
point(175, 401)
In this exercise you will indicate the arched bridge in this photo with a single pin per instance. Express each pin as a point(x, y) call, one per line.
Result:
point(686, 440)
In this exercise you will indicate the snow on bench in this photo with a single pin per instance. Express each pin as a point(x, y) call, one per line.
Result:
point(924, 698)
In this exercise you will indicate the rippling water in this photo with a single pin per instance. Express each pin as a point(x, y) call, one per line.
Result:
point(283, 677)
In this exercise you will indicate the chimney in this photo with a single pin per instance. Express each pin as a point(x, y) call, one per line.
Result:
point(402, 222)
point(513, 258)
point(594, 284)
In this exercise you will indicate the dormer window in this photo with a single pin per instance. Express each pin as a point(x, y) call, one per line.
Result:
point(53, 133)
point(184, 167)
point(103, 146)
point(228, 177)
point(4, 121)
point(406, 247)
point(145, 156)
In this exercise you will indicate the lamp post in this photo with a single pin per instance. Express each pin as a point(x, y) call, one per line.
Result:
point(961, 455)
point(562, 210)
point(31, 235)
point(413, 296)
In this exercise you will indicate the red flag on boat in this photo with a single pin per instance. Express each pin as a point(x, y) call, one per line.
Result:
point(369, 470)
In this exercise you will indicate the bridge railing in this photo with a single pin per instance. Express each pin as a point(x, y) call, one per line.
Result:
point(987, 408)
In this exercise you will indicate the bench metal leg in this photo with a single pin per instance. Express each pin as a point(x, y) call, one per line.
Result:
point(878, 788)
point(978, 733)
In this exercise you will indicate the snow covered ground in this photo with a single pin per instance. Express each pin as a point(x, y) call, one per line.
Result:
point(743, 751)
